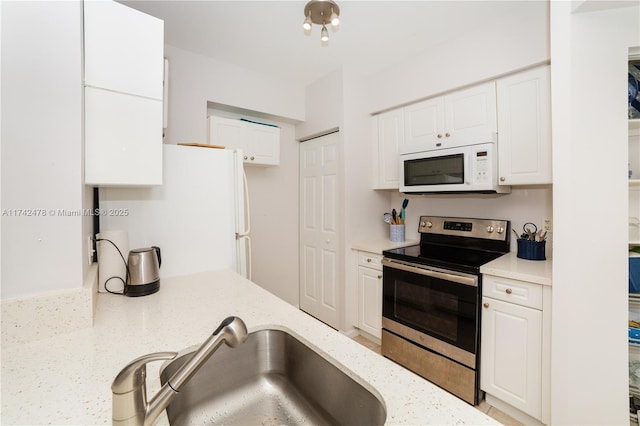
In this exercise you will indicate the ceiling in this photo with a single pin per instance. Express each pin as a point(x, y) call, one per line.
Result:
point(267, 37)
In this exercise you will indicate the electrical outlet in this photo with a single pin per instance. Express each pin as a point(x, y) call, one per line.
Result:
point(90, 250)
point(547, 225)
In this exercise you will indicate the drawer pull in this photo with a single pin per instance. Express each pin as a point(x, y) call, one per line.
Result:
point(379, 277)
point(486, 305)
point(369, 259)
point(508, 291)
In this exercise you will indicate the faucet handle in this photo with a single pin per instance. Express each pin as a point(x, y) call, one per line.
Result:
point(133, 375)
point(128, 388)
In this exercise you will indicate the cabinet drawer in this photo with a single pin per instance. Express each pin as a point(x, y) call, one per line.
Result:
point(513, 291)
point(370, 260)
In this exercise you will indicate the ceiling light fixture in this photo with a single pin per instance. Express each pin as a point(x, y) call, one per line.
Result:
point(321, 12)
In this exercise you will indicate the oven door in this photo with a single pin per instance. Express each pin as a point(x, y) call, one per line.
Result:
point(435, 308)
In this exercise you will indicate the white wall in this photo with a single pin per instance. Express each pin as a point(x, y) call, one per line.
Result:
point(274, 221)
point(521, 40)
point(589, 357)
point(195, 80)
point(42, 147)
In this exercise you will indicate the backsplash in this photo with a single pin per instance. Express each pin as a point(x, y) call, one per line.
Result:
point(530, 204)
point(43, 316)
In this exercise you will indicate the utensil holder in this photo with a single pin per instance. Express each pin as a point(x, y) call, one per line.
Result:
point(531, 250)
point(396, 233)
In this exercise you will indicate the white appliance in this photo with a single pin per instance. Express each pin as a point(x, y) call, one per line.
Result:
point(199, 216)
point(467, 168)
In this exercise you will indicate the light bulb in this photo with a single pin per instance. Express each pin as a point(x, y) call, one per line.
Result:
point(335, 19)
point(306, 25)
point(324, 34)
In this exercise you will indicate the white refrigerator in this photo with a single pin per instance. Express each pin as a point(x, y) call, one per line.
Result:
point(199, 217)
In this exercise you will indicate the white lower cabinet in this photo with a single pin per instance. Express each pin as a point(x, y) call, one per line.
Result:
point(370, 293)
point(514, 349)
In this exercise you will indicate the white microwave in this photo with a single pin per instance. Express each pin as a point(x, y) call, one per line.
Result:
point(471, 168)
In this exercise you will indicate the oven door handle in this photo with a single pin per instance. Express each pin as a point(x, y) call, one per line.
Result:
point(447, 276)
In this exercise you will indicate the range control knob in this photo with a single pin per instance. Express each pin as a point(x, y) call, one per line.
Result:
point(428, 225)
point(490, 229)
point(500, 230)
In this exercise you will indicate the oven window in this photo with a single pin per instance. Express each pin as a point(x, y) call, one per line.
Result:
point(442, 309)
point(443, 170)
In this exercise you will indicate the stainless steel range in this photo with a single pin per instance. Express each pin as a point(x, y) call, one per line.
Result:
point(431, 300)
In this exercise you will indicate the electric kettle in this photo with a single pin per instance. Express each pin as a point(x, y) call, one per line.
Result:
point(144, 271)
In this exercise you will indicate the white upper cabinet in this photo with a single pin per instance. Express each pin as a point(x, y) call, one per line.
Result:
point(524, 128)
point(460, 118)
point(388, 129)
point(123, 135)
point(424, 121)
point(124, 71)
point(124, 49)
point(260, 143)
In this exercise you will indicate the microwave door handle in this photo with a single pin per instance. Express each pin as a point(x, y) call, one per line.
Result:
point(460, 279)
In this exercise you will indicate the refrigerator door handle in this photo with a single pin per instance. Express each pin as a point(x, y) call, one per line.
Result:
point(249, 261)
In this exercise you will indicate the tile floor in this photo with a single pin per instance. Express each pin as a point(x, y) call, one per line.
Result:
point(483, 406)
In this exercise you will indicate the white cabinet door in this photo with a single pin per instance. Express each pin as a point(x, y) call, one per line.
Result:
point(123, 139)
point(511, 358)
point(390, 136)
point(461, 118)
point(524, 128)
point(470, 116)
point(124, 70)
point(423, 125)
point(262, 144)
point(124, 49)
point(226, 132)
point(370, 301)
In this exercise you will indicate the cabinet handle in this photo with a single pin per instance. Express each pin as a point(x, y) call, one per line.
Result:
point(253, 158)
point(447, 134)
point(486, 305)
point(369, 259)
point(439, 136)
point(246, 158)
point(508, 291)
point(502, 179)
point(379, 277)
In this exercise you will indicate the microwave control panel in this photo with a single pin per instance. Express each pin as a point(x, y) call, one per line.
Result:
point(481, 169)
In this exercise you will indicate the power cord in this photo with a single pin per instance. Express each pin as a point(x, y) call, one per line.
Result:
point(124, 282)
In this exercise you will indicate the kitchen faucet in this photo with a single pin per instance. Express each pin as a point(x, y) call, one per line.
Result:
point(129, 392)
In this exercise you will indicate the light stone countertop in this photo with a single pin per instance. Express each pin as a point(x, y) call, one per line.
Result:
point(66, 379)
point(511, 266)
point(378, 246)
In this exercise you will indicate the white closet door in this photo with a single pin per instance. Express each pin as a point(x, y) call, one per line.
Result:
point(320, 257)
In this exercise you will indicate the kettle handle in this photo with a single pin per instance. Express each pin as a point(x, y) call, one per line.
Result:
point(157, 249)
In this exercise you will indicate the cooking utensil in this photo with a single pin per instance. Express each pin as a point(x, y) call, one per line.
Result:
point(394, 214)
point(387, 218)
point(403, 213)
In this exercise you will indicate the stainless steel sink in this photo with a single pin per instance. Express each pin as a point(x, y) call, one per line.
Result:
point(271, 379)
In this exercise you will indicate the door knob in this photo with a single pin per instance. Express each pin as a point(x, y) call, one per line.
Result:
point(486, 305)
